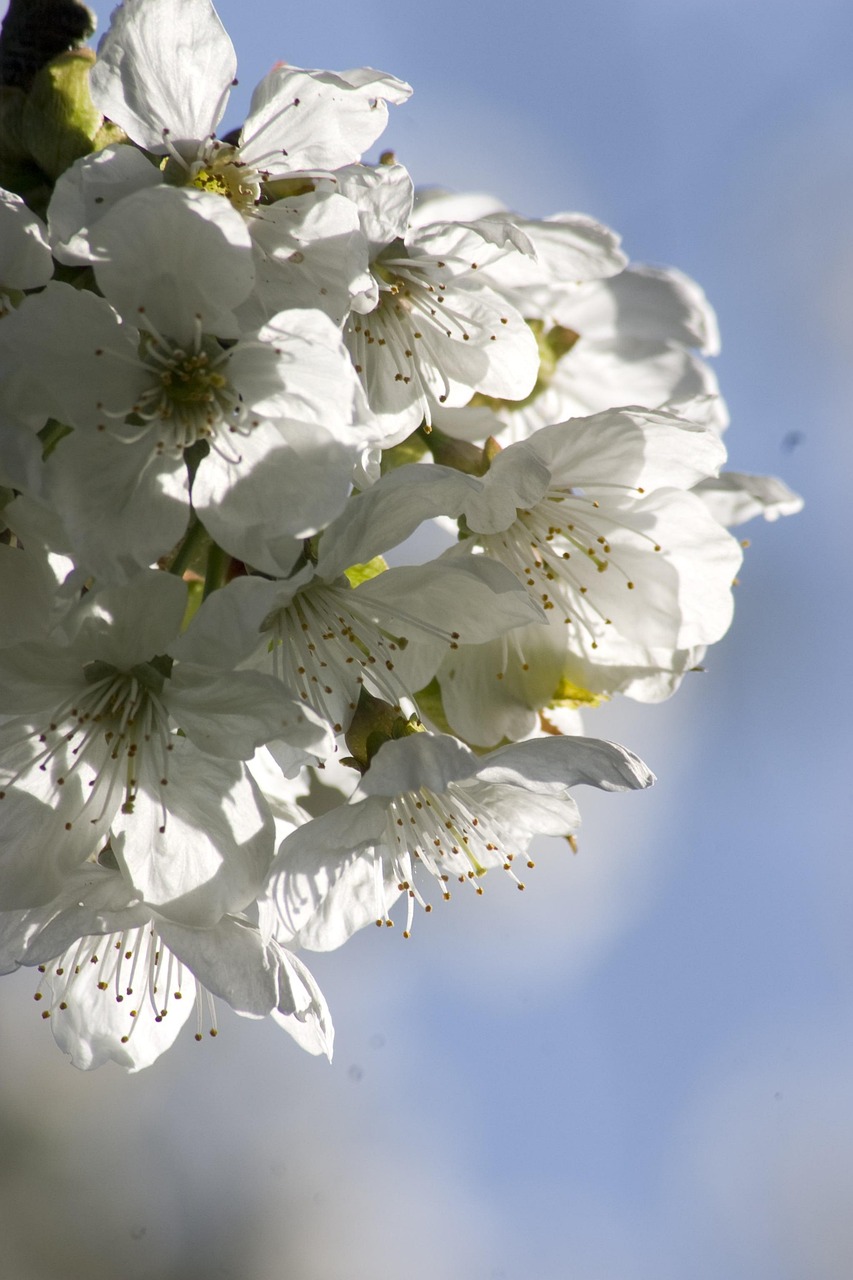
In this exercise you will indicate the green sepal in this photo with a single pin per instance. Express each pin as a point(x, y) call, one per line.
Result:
point(569, 694)
point(7, 495)
point(217, 568)
point(107, 858)
point(553, 344)
point(108, 134)
point(191, 552)
point(358, 573)
point(412, 449)
point(376, 722)
point(77, 277)
point(97, 670)
point(431, 706)
point(195, 595)
point(151, 675)
point(286, 188)
point(162, 663)
point(473, 459)
point(51, 434)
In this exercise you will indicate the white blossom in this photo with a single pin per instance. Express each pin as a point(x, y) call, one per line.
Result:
point(431, 806)
point(164, 73)
point(596, 518)
point(226, 724)
point(118, 981)
point(143, 375)
point(431, 333)
point(90, 743)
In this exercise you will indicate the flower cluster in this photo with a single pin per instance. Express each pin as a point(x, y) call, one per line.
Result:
point(235, 372)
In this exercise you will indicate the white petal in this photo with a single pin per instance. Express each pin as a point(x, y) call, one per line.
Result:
point(654, 303)
point(302, 1010)
point(386, 514)
point(229, 960)
point(88, 190)
point(593, 376)
point(43, 835)
point(279, 487)
point(517, 479)
point(123, 505)
point(232, 714)
point(226, 628)
point(25, 261)
point(199, 847)
point(297, 368)
point(309, 252)
point(383, 195)
point(316, 119)
point(422, 760)
point(484, 699)
point(94, 900)
point(80, 361)
point(635, 447)
point(26, 579)
point(322, 888)
point(319, 903)
point(175, 258)
point(96, 1027)
point(164, 65)
point(130, 623)
point(555, 764)
point(733, 497)
point(462, 596)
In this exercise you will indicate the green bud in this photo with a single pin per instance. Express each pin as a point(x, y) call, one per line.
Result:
point(60, 121)
point(12, 101)
point(18, 171)
point(35, 31)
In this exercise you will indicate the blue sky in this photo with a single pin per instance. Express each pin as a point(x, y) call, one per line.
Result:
point(640, 1068)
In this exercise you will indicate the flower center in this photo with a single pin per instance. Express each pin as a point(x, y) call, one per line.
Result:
point(135, 968)
point(221, 172)
point(561, 546)
point(189, 394)
point(218, 170)
point(451, 834)
point(329, 650)
point(98, 735)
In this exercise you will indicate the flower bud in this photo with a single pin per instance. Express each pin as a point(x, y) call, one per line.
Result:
point(60, 121)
